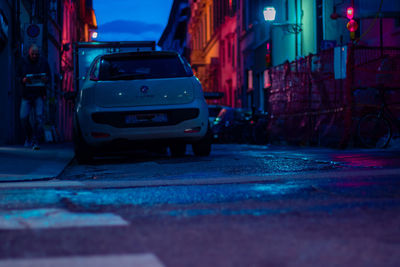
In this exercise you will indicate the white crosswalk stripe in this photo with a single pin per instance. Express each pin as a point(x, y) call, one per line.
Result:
point(137, 260)
point(56, 218)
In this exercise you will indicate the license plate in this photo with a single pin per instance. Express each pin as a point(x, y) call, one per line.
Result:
point(143, 118)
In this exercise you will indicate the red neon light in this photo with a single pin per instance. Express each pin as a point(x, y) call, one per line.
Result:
point(350, 13)
point(352, 25)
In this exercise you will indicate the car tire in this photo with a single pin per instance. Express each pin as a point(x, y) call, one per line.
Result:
point(203, 147)
point(83, 153)
point(177, 149)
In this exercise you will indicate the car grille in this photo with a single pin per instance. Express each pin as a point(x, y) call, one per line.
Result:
point(117, 119)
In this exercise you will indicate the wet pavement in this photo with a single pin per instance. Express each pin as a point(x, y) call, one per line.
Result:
point(242, 206)
point(229, 160)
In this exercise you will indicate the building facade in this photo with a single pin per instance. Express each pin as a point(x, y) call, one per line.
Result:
point(174, 36)
point(53, 25)
point(8, 56)
point(301, 28)
point(213, 47)
point(305, 61)
point(79, 21)
point(253, 43)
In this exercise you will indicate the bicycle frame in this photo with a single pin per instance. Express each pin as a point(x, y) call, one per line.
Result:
point(385, 111)
point(375, 129)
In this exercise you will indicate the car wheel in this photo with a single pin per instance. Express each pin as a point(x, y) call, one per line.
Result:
point(203, 147)
point(177, 149)
point(83, 152)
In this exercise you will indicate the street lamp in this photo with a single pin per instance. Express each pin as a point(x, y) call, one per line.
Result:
point(269, 13)
point(295, 28)
point(94, 35)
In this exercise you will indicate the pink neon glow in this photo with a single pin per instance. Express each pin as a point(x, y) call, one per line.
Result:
point(352, 25)
point(350, 13)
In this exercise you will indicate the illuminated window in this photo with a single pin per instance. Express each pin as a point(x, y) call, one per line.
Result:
point(267, 79)
point(250, 80)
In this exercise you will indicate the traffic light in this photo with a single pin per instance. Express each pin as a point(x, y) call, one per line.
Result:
point(350, 13)
point(352, 25)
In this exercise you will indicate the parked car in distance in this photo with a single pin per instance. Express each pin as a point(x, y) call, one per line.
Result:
point(236, 125)
point(230, 125)
point(259, 128)
point(213, 111)
point(138, 98)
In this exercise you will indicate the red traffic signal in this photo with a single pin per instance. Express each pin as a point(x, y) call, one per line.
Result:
point(352, 25)
point(350, 13)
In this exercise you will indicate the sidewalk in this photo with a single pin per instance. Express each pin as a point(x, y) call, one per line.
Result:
point(18, 163)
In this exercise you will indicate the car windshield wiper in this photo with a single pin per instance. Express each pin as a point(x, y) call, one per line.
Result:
point(128, 76)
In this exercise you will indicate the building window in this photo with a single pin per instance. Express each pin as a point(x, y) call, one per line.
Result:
point(201, 34)
point(53, 10)
point(246, 14)
point(233, 54)
point(250, 80)
point(215, 17)
point(229, 50)
point(286, 10)
point(223, 53)
point(210, 17)
point(261, 91)
point(267, 80)
point(205, 29)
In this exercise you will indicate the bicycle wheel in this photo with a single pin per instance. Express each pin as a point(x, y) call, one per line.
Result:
point(374, 131)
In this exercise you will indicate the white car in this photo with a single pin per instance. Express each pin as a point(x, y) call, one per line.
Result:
point(141, 98)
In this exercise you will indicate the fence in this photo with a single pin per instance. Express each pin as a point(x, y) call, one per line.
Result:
point(308, 106)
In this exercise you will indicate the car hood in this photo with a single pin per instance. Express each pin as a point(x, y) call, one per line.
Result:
point(143, 92)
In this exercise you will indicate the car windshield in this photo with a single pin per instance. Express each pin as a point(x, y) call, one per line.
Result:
point(133, 67)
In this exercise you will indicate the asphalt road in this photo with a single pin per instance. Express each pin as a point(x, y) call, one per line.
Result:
point(242, 206)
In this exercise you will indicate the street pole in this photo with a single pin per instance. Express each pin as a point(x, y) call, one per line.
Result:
point(296, 33)
point(381, 35)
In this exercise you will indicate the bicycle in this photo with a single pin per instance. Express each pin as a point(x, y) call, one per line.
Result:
point(375, 129)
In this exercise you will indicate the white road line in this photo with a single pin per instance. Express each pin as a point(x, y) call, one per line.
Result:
point(56, 218)
point(41, 184)
point(136, 260)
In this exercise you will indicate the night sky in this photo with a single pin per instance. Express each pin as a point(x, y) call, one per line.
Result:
point(131, 20)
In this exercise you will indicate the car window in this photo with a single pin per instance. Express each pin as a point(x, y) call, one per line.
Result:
point(187, 66)
point(226, 114)
point(94, 73)
point(141, 67)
